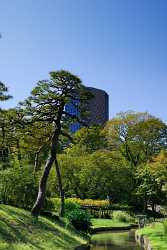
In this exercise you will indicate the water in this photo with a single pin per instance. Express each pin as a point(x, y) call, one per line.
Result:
point(122, 240)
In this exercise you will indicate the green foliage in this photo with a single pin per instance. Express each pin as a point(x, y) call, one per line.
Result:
point(3, 92)
point(151, 179)
point(54, 204)
point(80, 219)
point(91, 138)
point(138, 136)
point(122, 216)
point(49, 97)
point(18, 187)
point(70, 206)
point(97, 176)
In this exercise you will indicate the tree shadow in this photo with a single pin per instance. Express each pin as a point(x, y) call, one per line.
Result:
point(19, 227)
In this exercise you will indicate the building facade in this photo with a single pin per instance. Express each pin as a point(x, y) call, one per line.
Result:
point(97, 107)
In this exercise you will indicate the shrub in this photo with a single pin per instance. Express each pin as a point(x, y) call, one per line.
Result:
point(80, 219)
point(90, 202)
point(70, 206)
point(48, 205)
point(122, 216)
point(55, 203)
point(18, 187)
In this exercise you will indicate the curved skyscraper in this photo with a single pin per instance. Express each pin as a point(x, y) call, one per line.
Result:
point(97, 107)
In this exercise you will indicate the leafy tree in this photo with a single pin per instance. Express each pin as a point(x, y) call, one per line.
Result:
point(14, 131)
point(3, 121)
point(152, 181)
point(4, 92)
point(98, 175)
point(27, 142)
point(47, 105)
point(72, 167)
point(138, 136)
point(35, 143)
point(18, 187)
point(92, 138)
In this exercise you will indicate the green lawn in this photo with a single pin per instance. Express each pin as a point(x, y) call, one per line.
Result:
point(156, 235)
point(107, 223)
point(19, 231)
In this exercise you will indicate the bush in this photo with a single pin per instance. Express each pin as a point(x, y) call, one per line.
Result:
point(49, 205)
point(122, 216)
point(80, 219)
point(53, 204)
point(90, 202)
point(70, 206)
point(18, 187)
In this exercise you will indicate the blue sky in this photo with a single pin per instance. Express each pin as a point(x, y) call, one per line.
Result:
point(117, 45)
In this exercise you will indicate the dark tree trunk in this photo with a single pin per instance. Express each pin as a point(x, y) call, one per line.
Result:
point(36, 162)
point(60, 188)
point(43, 182)
point(145, 204)
point(53, 150)
point(153, 206)
point(18, 152)
point(42, 187)
point(3, 134)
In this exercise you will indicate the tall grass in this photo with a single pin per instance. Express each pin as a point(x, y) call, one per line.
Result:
point(122, 216)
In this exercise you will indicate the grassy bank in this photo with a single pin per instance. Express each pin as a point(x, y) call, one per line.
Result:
point(19, 231)
point(156, 234)
point(96, 223)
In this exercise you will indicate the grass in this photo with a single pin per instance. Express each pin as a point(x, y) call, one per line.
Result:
point(96, 223)
point(115, 239)
point(20, 231)
point(156, 235)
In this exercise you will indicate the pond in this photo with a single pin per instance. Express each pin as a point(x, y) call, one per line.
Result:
point(117, 240)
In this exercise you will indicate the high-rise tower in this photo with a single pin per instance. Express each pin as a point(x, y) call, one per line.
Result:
point(98, 108)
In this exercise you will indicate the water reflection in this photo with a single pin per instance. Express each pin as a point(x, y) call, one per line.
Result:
point(124, 240)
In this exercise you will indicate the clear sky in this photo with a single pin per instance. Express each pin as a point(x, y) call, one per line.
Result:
point(117, 45)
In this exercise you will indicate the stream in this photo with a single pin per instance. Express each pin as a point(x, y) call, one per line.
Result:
point(117, 240)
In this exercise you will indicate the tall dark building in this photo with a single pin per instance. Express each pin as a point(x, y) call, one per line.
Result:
point(98, 108)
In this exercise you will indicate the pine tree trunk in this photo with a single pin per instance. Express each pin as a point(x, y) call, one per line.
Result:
point(60, 188)
point(36, 162)
point(43, 182)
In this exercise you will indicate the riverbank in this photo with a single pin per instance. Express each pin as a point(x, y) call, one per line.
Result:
point(115, 240)
point(100, 225)
point(20, 231)
point(153, 237)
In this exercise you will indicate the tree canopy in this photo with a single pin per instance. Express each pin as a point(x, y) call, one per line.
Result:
point(4, 92)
